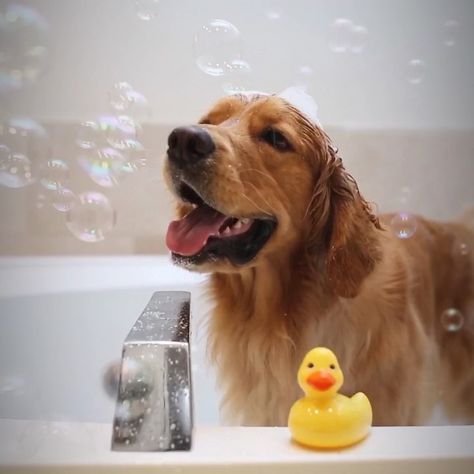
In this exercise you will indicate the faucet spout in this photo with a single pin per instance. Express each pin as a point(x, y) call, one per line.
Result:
point(154, 400)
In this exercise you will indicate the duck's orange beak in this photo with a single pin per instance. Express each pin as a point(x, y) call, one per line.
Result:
point(321, 380)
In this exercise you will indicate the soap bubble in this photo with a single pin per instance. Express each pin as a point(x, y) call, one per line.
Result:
point(346, 36)
point(452, 320)
point(451, 32)
point(139, 108)
point(118, 129)
point(23, 46)
point(405, 196)
point(135, 156)
point(41, 202)
point(12, 384)
point(137, 379)
point(461, 249)
point(147, 9)
point(54, 174)
point(105, 166)
point(88, 135)
point(62, 199)
point(91, 217)
point(5, 153)
point(403, 225)
point(416, 71)
point(274, 13)
point(359, 38)
point(216, 45)
point(304, 76)
point(111, 378)
point(24, 135)
point(124, 99)
point(15, 170)
point(341, 35)
point(118, 96)
point(237, 77)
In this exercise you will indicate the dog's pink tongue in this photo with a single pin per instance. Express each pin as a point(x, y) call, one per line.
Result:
point(189, 235)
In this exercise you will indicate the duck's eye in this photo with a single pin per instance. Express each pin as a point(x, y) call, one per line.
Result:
point(332, 366)
point(310, 365)
point(276, 139)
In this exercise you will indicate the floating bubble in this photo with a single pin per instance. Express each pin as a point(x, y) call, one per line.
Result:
point(452, 320)
point(118, 130)
point(360, 36)
point(304, 76)
point(15, 170)
point(147, 10)
point(416, 71)
point(111, 378)
point(62, 199)
point(4, 152)
point(124, 99)
point(88, 135)
point(12, 384)
point(462, 249)
point(274, 13)
point(41, 202)
point(139, 108)
point(237, 77)
point(136, 156)
point(451, 32)
point(118, 96)
point(403, 225)
point(341, 35)
point(23, 46)
point(91, 217)
point(345, 36)
point(54, 174)
point(105, 166)
point(24, 135)
point(216, 45)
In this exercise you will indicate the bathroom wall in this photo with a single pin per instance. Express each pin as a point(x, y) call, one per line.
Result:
point(400, 108)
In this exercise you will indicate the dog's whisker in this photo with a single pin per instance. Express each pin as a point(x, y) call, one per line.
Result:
point(260, 195)
point(251, 200)
point(266, 175)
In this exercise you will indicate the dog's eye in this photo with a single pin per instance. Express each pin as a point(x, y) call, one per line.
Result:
point(276, 139)
point(332, 366)
point(310, 365)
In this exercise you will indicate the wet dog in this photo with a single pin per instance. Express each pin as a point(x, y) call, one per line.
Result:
point(297, 259)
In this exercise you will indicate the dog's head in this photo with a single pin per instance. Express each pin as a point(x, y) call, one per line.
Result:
point(256, 177)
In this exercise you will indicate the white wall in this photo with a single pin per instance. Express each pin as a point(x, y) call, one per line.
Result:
point(98, 42)
point(392, 135)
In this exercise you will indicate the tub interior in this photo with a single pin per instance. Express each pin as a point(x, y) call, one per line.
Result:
point(55, 349)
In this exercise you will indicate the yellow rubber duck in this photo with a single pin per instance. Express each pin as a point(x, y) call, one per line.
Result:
point(323, 418)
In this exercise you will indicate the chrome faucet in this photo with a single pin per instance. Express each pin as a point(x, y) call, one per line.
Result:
point(154, 400)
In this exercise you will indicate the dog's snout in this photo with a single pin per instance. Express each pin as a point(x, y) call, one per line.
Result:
point(189, 144)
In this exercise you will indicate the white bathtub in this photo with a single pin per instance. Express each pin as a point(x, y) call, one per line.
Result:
point(63, 321)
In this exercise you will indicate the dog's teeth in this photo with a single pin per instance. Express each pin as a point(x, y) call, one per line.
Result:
point(245, 220)
point(227, 230)
point(238, 224)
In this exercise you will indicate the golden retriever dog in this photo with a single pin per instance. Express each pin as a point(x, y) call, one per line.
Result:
point(298, 259)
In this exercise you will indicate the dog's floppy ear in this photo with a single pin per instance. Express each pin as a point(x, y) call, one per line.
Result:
point(352, 246)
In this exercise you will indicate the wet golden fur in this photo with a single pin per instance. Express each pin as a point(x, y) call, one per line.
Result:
point(332, 274)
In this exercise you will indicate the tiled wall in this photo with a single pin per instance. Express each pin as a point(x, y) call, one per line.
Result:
point(429, 172)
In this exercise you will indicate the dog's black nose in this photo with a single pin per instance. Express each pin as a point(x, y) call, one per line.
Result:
point(189, 144)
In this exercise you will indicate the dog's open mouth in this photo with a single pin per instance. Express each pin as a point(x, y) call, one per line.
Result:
point(207, 234)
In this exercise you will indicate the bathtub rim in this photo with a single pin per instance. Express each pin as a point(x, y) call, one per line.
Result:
point(387, 449)
point(27, 276)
